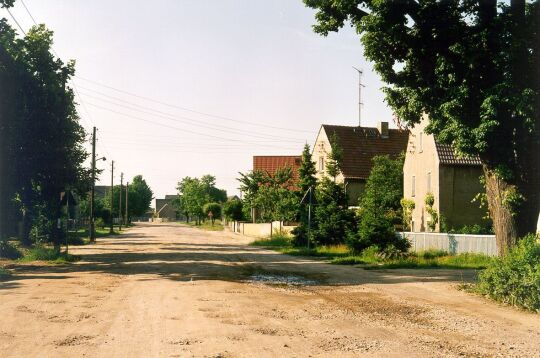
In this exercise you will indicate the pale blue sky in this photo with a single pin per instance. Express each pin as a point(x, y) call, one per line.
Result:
point(249, 61)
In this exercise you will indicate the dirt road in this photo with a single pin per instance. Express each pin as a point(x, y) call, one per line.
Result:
point(172, 291)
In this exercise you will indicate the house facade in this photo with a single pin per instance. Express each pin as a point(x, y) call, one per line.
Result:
point(359, 145)
point(433, 167)
point(165, 208)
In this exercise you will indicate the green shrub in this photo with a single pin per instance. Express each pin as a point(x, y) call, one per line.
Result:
point(8, 250)
point(99, 223)
point(378, 229)
point(277, 240)
point(42, 253)
point(515, 278)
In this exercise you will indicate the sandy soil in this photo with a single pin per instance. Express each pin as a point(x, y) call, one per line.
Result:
point(171, 291)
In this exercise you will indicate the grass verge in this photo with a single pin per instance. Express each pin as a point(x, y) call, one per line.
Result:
point(206, 225)
point(42, 253)
point(341, 255)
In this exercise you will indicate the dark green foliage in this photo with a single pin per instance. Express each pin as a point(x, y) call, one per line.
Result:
point(232, 210)
point(140, 196)
point(41, 136)
point(307, 171)
point(515, 278)
point(381, 207)
point(332, 220)
point(8, 250)
point(475, 229)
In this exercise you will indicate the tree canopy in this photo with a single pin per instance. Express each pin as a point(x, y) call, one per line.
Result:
point(473, 67)
point(42, 139)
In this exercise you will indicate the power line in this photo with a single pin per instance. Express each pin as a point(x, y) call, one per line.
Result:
point(190, 110)
point(28, 11)
point(168, 126)
point(191, 121)
point(14, 19)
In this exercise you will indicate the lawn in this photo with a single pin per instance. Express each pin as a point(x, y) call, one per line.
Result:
point(206, 225)
point(341, 255)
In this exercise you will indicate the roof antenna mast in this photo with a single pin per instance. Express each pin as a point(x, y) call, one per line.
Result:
point(360, 104)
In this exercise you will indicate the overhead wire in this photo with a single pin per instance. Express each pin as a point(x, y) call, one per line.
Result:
point(192, 110)
point(192, 122)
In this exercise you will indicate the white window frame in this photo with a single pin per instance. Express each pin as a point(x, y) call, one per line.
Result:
point(428, 179)
point(413, 186)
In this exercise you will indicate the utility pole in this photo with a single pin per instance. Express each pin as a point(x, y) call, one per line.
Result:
point(360, 104)
point(127, 196)
point(309, 216)
point(120, 202)
point(111, 230)
point(92, 192)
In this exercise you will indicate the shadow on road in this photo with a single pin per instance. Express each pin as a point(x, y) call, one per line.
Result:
point(181, 260)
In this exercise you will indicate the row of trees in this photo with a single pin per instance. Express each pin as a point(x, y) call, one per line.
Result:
point(41, 146)
point(198, 197)
point(139, 195)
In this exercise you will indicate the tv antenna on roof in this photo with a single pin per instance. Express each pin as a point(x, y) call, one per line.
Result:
point(360, 104)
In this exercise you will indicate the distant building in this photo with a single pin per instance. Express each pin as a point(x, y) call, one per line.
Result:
point(360, 145)
point(271, 163)
point(433, 167)
point(165, 208)
point(233, 197)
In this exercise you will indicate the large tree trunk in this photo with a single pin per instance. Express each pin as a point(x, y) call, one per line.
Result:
point(504, 223)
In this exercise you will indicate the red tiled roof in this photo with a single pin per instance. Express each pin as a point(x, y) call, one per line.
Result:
point(271, 163)
point(361, 144)
point(448, 156)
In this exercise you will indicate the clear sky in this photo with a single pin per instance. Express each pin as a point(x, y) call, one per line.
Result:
point(267, 81)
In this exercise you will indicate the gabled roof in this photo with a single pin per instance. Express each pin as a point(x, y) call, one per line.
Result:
point(271, 163)
point(361, 144)
point(448, 156)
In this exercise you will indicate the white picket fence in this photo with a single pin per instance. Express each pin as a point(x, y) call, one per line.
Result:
point(452, 243)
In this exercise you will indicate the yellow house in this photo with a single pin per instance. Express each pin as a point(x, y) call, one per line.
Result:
point(433, 167)
point(360, 145)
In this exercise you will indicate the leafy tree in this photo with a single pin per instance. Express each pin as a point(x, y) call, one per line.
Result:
point(472, 67)
point(232, 210)
point(41, 136)
point(270, 196)
point(407, 207)
point(433, 214)
point(194, 193)
point(140, 196)
point(380, 206)
point(215, 209)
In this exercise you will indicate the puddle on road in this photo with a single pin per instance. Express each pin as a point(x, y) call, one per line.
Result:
point(285, 280)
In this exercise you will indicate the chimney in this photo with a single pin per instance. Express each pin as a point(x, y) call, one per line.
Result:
point(383, 129)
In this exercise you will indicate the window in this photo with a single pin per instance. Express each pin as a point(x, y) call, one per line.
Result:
point(413, 185)
point(321, 164)
point(429, 182)
point(420, 145)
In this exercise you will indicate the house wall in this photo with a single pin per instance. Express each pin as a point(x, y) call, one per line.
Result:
point(459, 185)
point(421, 159)
point(321, 149)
